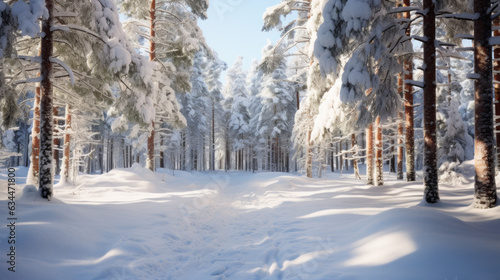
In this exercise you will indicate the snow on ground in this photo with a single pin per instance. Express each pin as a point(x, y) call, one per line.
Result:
point(135, 224)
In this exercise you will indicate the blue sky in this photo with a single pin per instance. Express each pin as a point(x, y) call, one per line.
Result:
point(233, 29)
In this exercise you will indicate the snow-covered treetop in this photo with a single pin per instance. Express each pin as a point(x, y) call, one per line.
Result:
point(140, 8)
point(272, 16)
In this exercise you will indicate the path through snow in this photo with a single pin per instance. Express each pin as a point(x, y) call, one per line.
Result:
point(130, 224)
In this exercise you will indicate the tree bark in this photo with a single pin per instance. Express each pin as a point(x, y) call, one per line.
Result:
point(151, 148)
point(431, 192)
point(309, 155)
point(212, 146)
point(369, 155)
point(379, 160)
point(332, 167)
point(152, 56)
point(496, 85)
point(485, 195)
point(34, 170)
point(67, 142)
point(409, 118)
point(341, 157)
point(46, 106)
point(354, 143)
point(57, 141)
point(162, 153)
point(401, 115)
point(346, 155)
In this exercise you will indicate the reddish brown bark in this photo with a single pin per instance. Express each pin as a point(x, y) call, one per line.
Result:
point(409, 114)
point(369, 155)
point(46, 104)
point(152, 57)
point(35, 138)
point(496, 77)
point(67, 143)
point(57, 141)
point(485, 195)
point(354, 143)
point(400, 133)
point(379, 160)
point(431, 191)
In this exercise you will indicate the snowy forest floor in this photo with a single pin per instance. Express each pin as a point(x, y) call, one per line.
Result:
point(135, 224)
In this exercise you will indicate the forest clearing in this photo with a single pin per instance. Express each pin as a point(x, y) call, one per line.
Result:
point(163, 139)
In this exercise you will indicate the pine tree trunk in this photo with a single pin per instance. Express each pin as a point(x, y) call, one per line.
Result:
point(354, 143)
point(57, 141)
point(409, 118)
point(150, 163)
point(162, 153)
point(369, 155)
point(212, 146)
point(346, 155)
point(485, 195)
point(309, 155)
point(337, 157)
point(332, 167)
point(67, 140)
point(46, 106)
point(101, 155)
point(33, 173)
point(431, 192)
point(379, 160)
point(152, 56)
point(111, 153)
point(228, 155)
point(341, 157)
point(392, 158)
point(401, 117)
point(276, 155)
point(496, 85)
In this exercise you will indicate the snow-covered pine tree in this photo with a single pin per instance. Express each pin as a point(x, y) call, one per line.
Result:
point(238, 117)
point(174, 37)
point(278, 108)
point(255, 79)
point(108, 51)
point(456, 142)
point(214, 68)
point(195, 105)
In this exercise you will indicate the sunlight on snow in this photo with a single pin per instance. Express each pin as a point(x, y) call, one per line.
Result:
point(380, 249)
point(110, 254)
point(356, 211)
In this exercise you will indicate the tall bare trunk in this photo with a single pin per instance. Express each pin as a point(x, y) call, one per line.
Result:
point(309, 155)
point(67, 142)
point(485, 194)
point(34, 170)
point(346, 155)
point(354, 143)
point(409, 118)
point(369, 155)
point(46, 106)
point(401, 116)
point(341, 157)
point(431, 191)
point(379, 160)
point(212, 146)
point(400, 134)
point(152, 56)
point(57, 141)
point(496, 77)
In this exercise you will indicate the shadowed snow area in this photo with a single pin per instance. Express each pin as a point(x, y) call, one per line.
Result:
point(136, 224)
